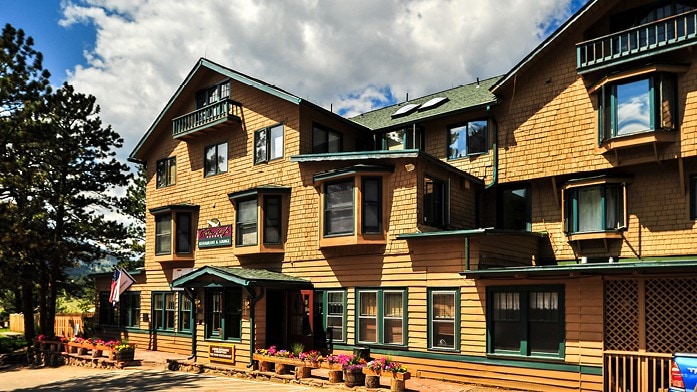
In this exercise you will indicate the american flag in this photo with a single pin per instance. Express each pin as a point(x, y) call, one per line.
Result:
point(120, 282)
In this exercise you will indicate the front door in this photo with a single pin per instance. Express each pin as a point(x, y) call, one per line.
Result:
point(288, 315)
point(276, 316)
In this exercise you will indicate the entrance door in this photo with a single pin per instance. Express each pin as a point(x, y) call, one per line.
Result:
point(276, 317)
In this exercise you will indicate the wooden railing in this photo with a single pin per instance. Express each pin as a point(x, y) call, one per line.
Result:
point(207, 115)
point(666, 34)
point(65, 325)
point(633, 371)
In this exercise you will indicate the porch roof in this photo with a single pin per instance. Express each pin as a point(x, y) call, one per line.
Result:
point(210, 276)
point(575, 270)
point(469, 233)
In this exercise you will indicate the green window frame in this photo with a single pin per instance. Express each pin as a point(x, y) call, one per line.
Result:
point(408, 138)
point(268, 144)
point(325, 140)
point(595, 208)
point(470, 138)
point(166, 172)
point(443, 319)
point(224, 314)
point(186, 313)
point(330, 306)
point(129, 309)
point(637, 105)
point(163, 310)
point(371, 205)
point(213, 94)
point(381, 316)
point(526, 321)
point(215, 159)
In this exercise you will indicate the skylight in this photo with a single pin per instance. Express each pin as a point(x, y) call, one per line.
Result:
point(406, 109)
point(433, 102)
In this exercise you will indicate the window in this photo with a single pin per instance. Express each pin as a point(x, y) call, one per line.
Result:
point(163, 233)
point(325, 140)
point(468, 139)
point(595, 208)
point(246, 223)
point(224, 313)
point(527, 321)
point(272, 220)
point(338, 207)
point(268, 144)
point(435, 202)
point(186, 313)
point(636, 106)
point(381, 316)
point(515, 206)
point(331, 306)
point(371, 205)
point(166, 172)
point(444, 313)
point(107, 313)
point(216, 159)
point(129, 309)
point(212, 95)
point(163, 310)
point(401, 139)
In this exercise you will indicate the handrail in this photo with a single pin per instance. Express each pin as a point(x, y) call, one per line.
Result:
point(669, 33)
point(205, 115)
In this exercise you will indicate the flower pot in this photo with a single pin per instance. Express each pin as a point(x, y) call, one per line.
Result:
point(354, 379)
point(126, 355)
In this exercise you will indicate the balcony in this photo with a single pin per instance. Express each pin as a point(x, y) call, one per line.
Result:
point(207, 118)
point(669, 34)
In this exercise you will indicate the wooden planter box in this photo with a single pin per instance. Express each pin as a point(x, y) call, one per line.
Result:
point(397, 376)
point(283, 365)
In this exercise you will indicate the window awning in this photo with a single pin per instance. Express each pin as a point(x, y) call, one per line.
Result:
point(210, 276)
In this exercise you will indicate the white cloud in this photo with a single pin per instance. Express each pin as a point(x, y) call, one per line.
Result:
point(352, 55)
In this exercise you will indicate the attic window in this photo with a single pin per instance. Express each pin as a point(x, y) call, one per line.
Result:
point(433, 102)
point(404, 110)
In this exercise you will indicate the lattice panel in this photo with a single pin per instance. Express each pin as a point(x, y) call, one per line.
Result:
point(621, 312)
point(671, 319)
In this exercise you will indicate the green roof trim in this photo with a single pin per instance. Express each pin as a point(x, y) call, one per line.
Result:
point(264, 189)
point(174, 207)
point(355, 169)
point(210, 276)
point(585, 269)
point(351, 155)
point(469, 233)
point(459, 99)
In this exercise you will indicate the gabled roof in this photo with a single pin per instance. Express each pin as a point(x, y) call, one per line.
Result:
point(542, 46)
point(227, 72)
point(210, 276)
point(462, 98)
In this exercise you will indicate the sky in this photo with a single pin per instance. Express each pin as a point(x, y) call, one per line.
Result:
point(351, 56)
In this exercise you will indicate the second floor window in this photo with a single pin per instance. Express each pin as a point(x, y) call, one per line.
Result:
point(635, 106)
point(246, 223)
point(468, 139)
point(216, 157)
point(182, 229)
point(595, 208)
point(515, 208)
point(166, 172)
point(338, 207)
point(325, 140)
point(371, 205)
point(268, 144)
point(435, 202)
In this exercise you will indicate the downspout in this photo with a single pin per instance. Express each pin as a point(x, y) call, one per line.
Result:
point(252, 304)
point(467, 253)
point(191, 295)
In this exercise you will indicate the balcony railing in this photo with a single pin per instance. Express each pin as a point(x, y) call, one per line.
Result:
point(634, 371)
point(664, 35)
point(208, 116)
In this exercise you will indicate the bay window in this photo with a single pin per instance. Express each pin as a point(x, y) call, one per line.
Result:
point(594, 207)
point(259, 219)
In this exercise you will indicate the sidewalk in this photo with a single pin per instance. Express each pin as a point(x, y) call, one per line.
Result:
point(159, 360)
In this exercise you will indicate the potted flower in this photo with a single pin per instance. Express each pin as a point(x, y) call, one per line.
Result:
point(123, 351)
point(353, 370)
point(313, 356)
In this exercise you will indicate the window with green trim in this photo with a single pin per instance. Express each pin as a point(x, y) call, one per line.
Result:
point(224, 313)
point(330, 306)
point(526, 321)
point(381, 316)
point(443, 318)
point(468, 139)
point(637, 105)
point(595, 208)
point(186, 313)
point(129, 309)
point(163, 310)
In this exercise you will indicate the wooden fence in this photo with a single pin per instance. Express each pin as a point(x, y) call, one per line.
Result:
point(66, 323)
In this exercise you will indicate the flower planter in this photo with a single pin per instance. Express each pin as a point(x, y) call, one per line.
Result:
point(125, 355)
point(354, 379)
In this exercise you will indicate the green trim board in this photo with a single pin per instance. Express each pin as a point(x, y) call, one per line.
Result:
point(469, 233)
point(355, 169)
point(263, 189)
point(585, 269)
point(210, 276)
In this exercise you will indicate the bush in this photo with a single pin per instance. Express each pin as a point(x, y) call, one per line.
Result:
point(10, 343)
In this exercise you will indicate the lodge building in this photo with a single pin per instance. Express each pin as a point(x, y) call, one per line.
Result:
point(533, 230)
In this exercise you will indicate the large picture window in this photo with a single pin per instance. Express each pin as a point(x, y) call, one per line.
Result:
point(638, 105)
point(224, 313)
point(381, 316)
point(268, 144)
point(401, 139)
point(166, 172)
point(595, 208)
point(163, 310)
point(216, 157)
point(468, 139)
point(526, 321)
point(443, 318)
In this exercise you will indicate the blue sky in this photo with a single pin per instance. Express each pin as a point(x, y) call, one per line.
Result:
point(349, 56)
